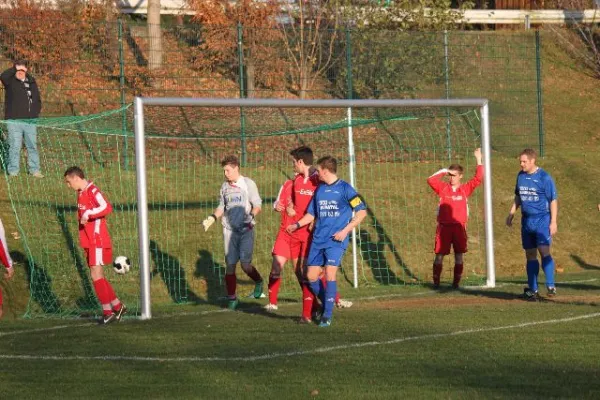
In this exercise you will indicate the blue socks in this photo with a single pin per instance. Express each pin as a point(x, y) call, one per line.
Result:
point(330, 292)
point(533, 269)
point(317, 288)
point(548, 267)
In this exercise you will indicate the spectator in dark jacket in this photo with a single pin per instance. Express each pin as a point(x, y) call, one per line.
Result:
point(22, 101)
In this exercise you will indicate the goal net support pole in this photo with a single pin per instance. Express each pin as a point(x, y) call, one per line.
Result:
point(140, 156)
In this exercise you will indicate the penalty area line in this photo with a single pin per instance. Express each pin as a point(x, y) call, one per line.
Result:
point(269, 356)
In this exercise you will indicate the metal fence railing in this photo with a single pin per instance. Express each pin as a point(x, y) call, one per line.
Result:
point(93, 66)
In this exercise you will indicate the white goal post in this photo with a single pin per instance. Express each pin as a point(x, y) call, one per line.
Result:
point(140, 157)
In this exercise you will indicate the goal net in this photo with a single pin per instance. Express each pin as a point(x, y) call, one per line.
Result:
point(386, 149)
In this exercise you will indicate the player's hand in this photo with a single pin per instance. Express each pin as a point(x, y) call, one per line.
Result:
point(340, 236)
point(553, 228)
point(208, 222)
point(250, 225)
point(290, 210)
point(477, 153)
point(279, 207)
point(509, 219)
point(84, 220)
point(9, 273)
point(291, 228)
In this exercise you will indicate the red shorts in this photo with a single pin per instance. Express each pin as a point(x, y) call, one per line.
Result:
point(447, 235)
point(98, 256)
point(290, 247)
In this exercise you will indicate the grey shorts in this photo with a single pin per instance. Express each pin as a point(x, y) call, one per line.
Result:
point(239, 246)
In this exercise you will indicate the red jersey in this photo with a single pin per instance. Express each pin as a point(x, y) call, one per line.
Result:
point(454, 207)
point(93, 206)
point(300, 191)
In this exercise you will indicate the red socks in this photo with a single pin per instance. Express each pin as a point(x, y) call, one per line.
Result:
point(274, 284)
point(308, 300)
point(103, 295)
point(230, 283)
point(106, 296)
point(114, 301)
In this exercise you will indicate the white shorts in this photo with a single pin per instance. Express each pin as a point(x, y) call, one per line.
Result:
point(239, 246)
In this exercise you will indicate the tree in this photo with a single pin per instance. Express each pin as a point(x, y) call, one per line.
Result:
point(582, 41)
point(155, 54)
point(310, 34)
point(396, 48)
point(243, 30)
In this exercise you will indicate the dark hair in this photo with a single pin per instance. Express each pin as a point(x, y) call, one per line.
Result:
point(456, 167)
point(303, 153)
point(20, 61)
point(329, 163)
point(530, 153)
point(75, 171)
point(230, 160)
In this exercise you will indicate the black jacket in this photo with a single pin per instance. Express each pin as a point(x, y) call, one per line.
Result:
point(16, 101)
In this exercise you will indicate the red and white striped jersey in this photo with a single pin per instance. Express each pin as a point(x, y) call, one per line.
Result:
point(93, 206)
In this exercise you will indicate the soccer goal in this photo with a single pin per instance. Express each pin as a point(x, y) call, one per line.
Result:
point(164, 179)
point(386, 148)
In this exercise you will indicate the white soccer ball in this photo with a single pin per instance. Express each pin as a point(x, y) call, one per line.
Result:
point(121, 265)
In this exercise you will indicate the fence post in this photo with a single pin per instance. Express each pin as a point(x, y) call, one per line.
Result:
point(240, 39)
point(540, 105)
point(447, 85)
point(122, 89)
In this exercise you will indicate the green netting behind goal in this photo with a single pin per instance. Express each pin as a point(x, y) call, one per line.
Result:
point(396, 150)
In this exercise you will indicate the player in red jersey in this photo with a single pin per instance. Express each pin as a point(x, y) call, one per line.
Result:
point(94, 238)
point(292, 202)
point(453, 212)
point(6, 261)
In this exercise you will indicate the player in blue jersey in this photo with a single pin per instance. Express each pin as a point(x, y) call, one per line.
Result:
point(535, 193)
point(331, 208)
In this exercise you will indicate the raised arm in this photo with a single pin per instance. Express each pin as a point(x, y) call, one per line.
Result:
point(470, 186)
point(435, 181)
point(6, 75)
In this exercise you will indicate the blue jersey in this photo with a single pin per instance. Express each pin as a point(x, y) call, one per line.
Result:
point(536, 192)
point(332, 207)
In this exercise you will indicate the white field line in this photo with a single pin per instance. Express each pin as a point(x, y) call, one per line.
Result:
point(269, 356)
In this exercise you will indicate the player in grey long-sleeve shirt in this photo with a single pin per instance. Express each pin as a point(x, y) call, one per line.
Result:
point(239, 203)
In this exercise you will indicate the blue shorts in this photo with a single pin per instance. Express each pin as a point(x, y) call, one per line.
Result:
point(535, 231)
point(326, 256)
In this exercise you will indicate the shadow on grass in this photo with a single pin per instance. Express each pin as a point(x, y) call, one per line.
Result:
point(40, 284)
point(88, 301)
point(373, 252)
point(584, 265)
point(173, 275)
point(213, 274)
